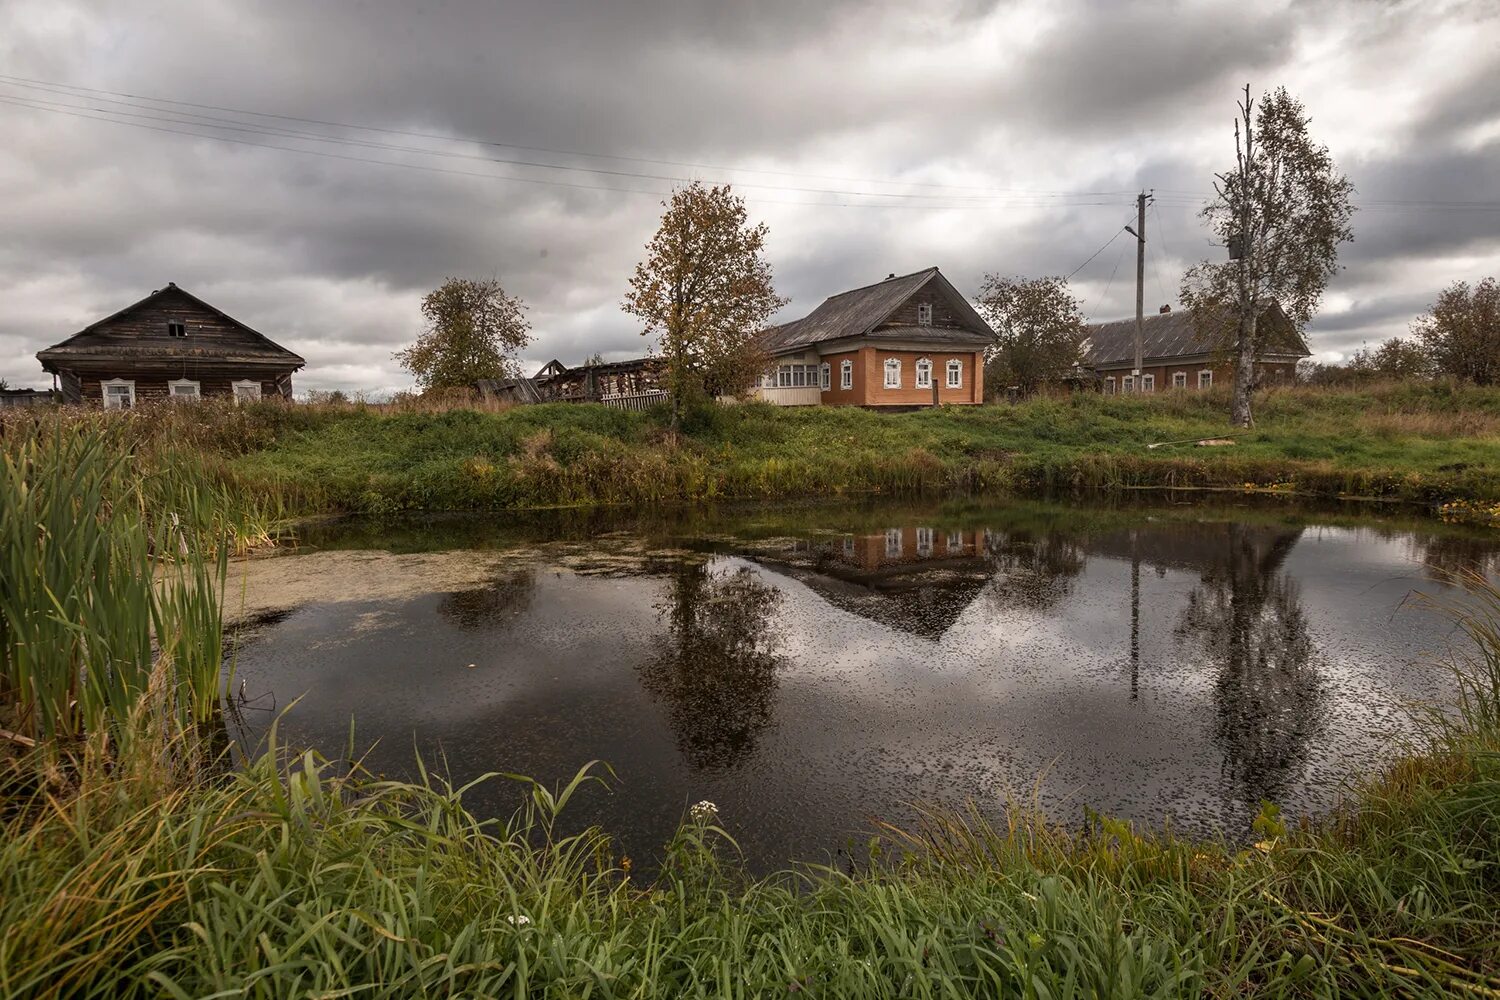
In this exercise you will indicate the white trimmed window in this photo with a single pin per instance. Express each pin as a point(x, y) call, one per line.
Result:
point(893, 373)
point(924, 541)
point(846, 374)
point(1109, 386)
point(118, 394)
point(924, 373)
point(893, 542)
point(1206, 378)
point(1127, 383)
point(825, 376)
point(924, 314)
point(955, 374)
point(797, 376)
point(245, 389)
point(955, 541)
point(1179, 380)
point(1148, 383)
point(183, 388)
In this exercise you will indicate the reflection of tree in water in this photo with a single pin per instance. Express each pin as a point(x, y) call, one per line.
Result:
point(1450, 557)
point(495, 604)
point(1033, 571)
point(1248, 615)
point(715, 668)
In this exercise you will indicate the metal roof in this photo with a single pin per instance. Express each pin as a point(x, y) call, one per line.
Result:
point(857, 312)
point(1176, 335)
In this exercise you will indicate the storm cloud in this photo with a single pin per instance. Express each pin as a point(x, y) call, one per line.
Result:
point(534, 141)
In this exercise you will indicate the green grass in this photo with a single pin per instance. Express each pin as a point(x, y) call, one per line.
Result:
point(1430, 443)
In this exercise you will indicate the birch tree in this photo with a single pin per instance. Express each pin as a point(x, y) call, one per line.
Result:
point(474, 331)
point(1282, 212)
point(705, 289)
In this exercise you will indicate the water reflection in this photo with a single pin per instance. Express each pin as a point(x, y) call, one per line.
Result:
point(810, 670)
point(1247, 617)
point(493, 606)
point(715, 667)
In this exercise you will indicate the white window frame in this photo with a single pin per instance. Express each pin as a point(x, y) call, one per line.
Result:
point(1109, 386)
point(846, 374)
point(1206, 378)
point(768, 381)
point(112, 402)
point(924, 313)
point(925, 538)
point(245, 383)
point(924, 373)
point(893, 543)
point(1127, 384)
point(1179, 380)
point(955, 374)
point(955, 541)
point(181, 383)
point(825, 376)
point(1148, 383)
point(893, 373)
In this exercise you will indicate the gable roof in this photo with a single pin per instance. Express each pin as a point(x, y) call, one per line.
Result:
point(1176, 335)
point(93, 341)
point(857, 312)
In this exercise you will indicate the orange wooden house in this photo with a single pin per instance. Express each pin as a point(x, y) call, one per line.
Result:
point(907, 341)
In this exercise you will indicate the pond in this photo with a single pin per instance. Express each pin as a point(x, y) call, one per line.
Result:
point(815, 669)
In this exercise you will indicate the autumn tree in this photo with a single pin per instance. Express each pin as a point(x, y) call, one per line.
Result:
point(474, 331)
point(1282, 212)
point(1461, 332)
point(705, 290)
point(1039, 330)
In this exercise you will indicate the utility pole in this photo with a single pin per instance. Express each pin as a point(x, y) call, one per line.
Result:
point(1139, 232)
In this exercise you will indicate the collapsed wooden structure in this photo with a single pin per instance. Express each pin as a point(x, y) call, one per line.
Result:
point(630, 385)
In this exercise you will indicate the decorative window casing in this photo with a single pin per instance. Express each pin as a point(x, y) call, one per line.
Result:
point(924, 541)
point(176, 328)
point(955, 541)
point(245, 390)
point(118, 394)
point(1109, 386)
point(1179, 380)
point(955, 374)
point(1206, 378)
point(1148, 383)
point(924, 314)
point(184, 388)
point(1127, 383)
point(924, 373)
point(846, 374)
point(825, 376)
point(893, 373)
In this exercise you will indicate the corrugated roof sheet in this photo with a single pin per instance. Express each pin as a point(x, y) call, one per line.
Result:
point(1176, 335)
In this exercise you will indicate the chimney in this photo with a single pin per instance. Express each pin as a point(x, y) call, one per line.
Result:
point(1164, 310)
point(888, 277)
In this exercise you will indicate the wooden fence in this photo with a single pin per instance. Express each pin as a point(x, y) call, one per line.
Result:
point(635, 400)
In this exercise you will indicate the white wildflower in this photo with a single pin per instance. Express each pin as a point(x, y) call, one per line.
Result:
point(704, 812)
point(518, 920)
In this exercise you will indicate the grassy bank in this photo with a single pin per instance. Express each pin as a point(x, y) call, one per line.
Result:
point(1433, 444)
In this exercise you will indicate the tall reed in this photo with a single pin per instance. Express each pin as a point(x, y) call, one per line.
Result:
point(114, 562)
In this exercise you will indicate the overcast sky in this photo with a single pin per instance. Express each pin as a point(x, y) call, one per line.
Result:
point(871, 137)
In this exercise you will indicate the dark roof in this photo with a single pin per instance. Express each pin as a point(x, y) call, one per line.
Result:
point(857, 312)
point(1176, 335)
point(92, 342)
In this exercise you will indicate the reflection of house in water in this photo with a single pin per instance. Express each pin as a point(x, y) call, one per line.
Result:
point(914, 578)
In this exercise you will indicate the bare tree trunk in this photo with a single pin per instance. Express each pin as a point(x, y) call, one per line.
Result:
point(1244, 372)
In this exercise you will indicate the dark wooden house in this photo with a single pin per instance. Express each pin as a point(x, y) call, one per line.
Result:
point(1183, 350)
point(169, 345)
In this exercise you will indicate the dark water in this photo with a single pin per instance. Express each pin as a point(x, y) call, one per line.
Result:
point(811, 670)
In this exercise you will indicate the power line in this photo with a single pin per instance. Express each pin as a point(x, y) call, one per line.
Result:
point(1096, 253)
point(65, 88)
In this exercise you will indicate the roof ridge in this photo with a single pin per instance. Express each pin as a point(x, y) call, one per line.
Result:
point(877, 284)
